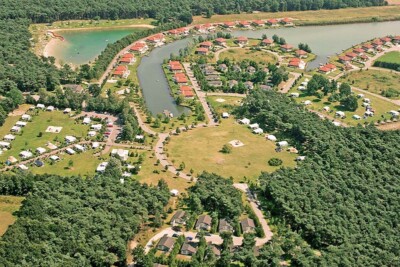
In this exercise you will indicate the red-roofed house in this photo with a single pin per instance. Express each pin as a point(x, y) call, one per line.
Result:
point(297, 63)
point(128, 58)
point(139, 47)
point(121, 71)
point(301, 53)
point(229, 24)
point(175, 66)
point(156, 38)
point(286, 48)
point(206, 44)
point(287, 22)
point(244, 24)
point(331, 66)
point(368, 48)
point(272, 22)
point(186, 91)
point(202, 51)
point(180, 78)
point(377, 43)
point(179, 31)
point(351, 55)
point(242, 40)
point(386, 41)
point(326, 69)
point(258, 23)
point(267, 42)
point(344, 59)
point(364, 57)
point(358, 51)
point(204, 28)
point(220, 41)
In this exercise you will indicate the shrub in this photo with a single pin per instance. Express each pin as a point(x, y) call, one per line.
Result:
point(274, 162)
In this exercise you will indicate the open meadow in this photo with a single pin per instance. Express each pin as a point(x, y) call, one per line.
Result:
point(8, 205)
point(238, 55)
point(200, 150)
point(346, 15)
point(374, 81)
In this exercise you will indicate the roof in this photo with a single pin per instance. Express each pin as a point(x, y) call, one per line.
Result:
point(202, 50)
point(286, 20)
point(206, 219)
point(301, 52)
point(180, 78)
point(247, 222)
point(324, 69)
point(166, 241)
point(244, 22)
point(272, 21)
point(188, 246)
point(121, 68)
point(223, 224)
point(351, 54)
point(220, 40)
point(331, 66)
point(242, 39)
point(207, 43)
point(230, 23)
point(258, 22)
point(178, 215)
point(344, 58)
point(286, 46)
point(267, 41)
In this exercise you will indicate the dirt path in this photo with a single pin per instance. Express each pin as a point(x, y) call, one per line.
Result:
point(200, 94)
point(267, 230)
point(290, 82)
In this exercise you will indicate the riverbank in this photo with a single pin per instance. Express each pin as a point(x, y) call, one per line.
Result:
point(44, 46)
point(317, 17)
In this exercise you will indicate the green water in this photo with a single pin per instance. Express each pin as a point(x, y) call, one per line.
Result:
point(81, 47)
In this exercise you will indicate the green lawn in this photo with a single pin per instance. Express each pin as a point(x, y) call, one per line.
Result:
point(29, 136)
point(221, 106)
point(374, 81)
point(8, 205)
point(199, 150)
point(84, 164)
point(391, 57)
point(380, 106)
point(238, 55)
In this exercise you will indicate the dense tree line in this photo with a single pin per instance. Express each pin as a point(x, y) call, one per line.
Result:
point(213, 193)
point(48, 11)
point(387, 65)
point(76, 222)
point(343, 199)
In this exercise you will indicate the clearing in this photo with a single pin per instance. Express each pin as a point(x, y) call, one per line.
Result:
point(391, 57)
point(314, 17)
point(8, 205)
point(238, 55)
point(200, 149)
point(375, 81)
point(34, 135)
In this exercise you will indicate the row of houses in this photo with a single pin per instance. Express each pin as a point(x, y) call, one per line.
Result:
point(204, 222)
point(180, 78)
point(257, 23)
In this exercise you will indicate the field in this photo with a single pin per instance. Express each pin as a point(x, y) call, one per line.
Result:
point(391, 57)
point(200, 150)
point(241, 54)
point(84, 164)
point(380, 106)
point(374, 81)
point(8, 205)
point(346, 15)
point(30, 137)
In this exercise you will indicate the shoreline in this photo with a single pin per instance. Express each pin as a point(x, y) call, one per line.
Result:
point(146, 26)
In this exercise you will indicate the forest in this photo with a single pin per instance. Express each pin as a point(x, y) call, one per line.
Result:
point(343, 199)
point(77, 222)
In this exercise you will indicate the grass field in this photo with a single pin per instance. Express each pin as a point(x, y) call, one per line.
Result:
point(29, 137)
point(84, 164)
point(380, 106)
point(374, 81)
point(241, 54)
point(8, 205)
point(391, 57)
point(346, 15)
point(221, 106)
point(200, 150)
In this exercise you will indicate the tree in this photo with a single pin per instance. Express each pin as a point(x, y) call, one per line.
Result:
point(275, 162)
point(226, 149)
point(113, 168)
point(350, 103)
point(344, 90)
point(186, 17)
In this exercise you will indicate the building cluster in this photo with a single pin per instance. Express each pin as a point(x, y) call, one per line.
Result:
point(181, 79)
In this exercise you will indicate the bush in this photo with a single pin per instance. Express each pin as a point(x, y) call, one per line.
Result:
point(226, 149)
point(275, 162)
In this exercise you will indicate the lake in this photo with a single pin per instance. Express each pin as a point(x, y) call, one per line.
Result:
point(81, 47)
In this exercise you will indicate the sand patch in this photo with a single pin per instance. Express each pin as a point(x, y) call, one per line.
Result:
point(53, 129)
point(220, 100)
point(236, 143)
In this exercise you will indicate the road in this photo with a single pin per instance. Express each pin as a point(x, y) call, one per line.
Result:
point(216, 238)
point(200, 94)
point(290, 82)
